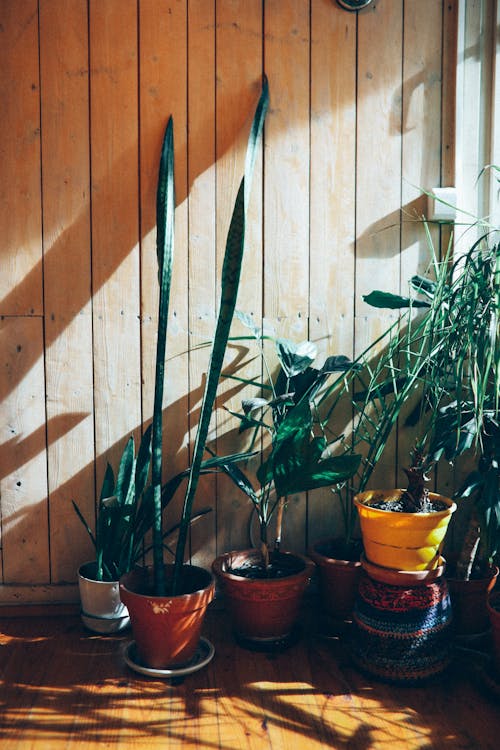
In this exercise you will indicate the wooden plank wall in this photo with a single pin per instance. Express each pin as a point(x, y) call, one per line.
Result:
point(361, 116)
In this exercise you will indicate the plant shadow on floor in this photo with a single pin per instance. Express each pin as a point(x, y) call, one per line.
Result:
point(59, 682)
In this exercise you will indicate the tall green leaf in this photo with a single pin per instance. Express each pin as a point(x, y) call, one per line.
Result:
point(165, 209)
point(231, 271)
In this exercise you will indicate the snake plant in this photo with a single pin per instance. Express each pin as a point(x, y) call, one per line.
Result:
point(133, 504)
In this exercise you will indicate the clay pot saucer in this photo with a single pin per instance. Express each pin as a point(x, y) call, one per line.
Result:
point(403, 577)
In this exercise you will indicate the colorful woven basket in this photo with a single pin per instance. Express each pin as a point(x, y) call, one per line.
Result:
point(402, 634)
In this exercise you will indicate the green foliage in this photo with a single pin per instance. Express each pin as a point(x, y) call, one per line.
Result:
point(450, 354)
point(125, 512)
point(118, 537)
point(298, 457)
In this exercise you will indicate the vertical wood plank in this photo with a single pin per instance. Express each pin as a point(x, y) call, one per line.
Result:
point(20, 210)
point(238, 74)
point(115, 254)
point(286, 191)
point(449, 91)
point(445, 475)
point(333, 144)
point(202, 238)
point(163, 70)
point(67, 280)
point(200, 61)
point(286, 230)
point(378, 177)
point(23, 460)
point(421, 157)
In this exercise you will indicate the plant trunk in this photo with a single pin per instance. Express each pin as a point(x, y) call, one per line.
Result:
point(279, 522)
point(469, 548)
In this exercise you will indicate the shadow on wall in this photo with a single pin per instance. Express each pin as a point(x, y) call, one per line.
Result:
point(17, 451)
point(20, 523)
point(237, 108)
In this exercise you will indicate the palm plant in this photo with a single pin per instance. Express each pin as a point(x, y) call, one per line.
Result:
point(452, 353)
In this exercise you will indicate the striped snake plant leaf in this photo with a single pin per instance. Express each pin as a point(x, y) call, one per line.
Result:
point(231, 271)
point(165, 209)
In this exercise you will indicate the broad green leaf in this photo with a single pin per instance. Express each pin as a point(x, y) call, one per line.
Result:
point(252, 404)
point(249, 323)
point(295, 358)
point(388, 301)
point(424, 285)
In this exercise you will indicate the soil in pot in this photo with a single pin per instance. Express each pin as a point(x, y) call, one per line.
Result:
point(167, 629)
point(339, 570)
point(263, 605)
point(280, 566)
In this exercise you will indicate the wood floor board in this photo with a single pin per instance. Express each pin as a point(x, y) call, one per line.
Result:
point(61, 686)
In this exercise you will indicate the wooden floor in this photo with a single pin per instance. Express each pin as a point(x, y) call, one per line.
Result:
point(61, 686)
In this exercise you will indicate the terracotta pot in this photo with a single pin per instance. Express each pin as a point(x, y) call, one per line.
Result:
point(494, 615)
point(402, 633)
point(402, 541)
point(102, 609)
point(469, 600)
point(263, 610)
point(167, 629)
point(403, 577)
point(338, 579)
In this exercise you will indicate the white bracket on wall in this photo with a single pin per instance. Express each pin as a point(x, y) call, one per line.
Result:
point(442, 204)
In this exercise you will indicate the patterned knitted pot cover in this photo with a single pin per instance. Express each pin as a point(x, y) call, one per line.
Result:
point(402, 634)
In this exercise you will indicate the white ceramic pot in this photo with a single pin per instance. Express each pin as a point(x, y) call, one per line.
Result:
point(102, 609)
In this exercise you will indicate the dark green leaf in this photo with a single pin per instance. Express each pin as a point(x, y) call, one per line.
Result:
point(388, 301)
point(231, 270)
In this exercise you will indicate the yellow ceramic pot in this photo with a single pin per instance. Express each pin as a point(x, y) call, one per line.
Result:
point(402, 541)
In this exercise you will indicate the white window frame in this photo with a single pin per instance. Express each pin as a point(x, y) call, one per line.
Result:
point(477, 111)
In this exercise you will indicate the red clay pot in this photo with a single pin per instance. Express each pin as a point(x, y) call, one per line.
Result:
point(167, 629)
point(263, 610)
point(469, 602)
point(338, 579)
point(410, 578)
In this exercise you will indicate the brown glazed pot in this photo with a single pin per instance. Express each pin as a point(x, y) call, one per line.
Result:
point(167, 629)
point(469, 602)
point(338, 579)
point(263, 610)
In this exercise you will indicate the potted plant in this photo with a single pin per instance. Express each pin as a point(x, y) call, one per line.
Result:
point(124, 517)
point(474, 572)
point(264, 585)
point(116, 543)
point(378, 388)
point(459, 381)
point(167, 603)
point(375, 399)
